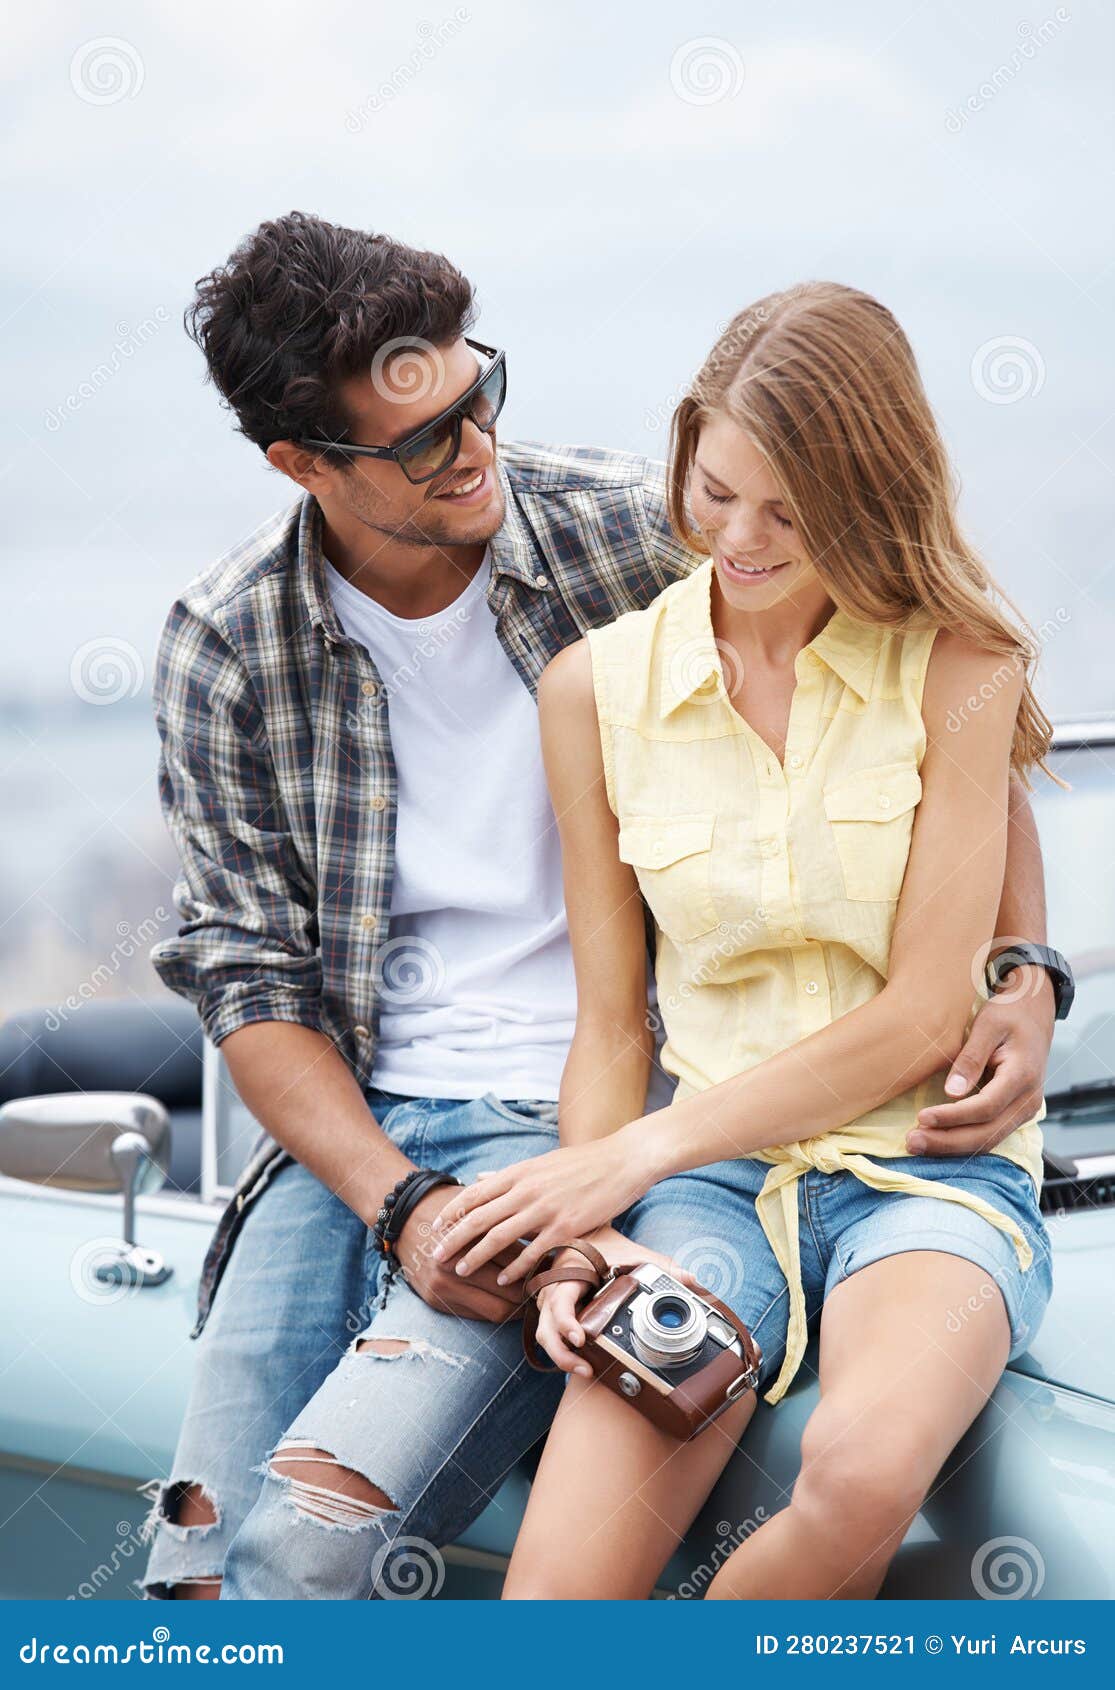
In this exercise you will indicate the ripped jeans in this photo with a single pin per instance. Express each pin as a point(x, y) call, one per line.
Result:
point(434, 1427)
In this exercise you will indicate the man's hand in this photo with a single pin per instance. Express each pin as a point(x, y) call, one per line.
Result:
point(1009, 1041)
point(436, 1282)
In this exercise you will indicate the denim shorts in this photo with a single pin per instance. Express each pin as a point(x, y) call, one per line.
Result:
point(845, 1225)
point(437, 1427)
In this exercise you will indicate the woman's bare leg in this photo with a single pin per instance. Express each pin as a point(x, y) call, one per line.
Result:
point(898, 1390)
point(613, 1497)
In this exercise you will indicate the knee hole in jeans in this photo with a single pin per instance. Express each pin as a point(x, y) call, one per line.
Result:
point(322, 1488)
point(187, 1506)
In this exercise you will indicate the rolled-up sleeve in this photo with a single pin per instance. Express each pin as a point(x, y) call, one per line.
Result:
point(248, 946)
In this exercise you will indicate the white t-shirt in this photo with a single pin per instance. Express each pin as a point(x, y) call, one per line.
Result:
point(479, 994)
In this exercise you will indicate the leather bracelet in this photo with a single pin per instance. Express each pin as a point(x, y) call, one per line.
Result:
point(400, 1203)
point(396, 1209)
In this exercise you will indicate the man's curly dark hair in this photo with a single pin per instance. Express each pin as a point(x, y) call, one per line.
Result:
point(303, 304)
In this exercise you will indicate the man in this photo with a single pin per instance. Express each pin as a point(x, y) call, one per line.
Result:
point(373, 927)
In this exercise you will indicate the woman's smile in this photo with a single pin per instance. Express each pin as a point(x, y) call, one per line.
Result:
point(750, 574)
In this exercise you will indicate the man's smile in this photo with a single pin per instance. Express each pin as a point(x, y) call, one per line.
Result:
point(476, 489)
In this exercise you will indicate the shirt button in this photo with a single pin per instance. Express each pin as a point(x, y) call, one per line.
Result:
point(361, 1032)
point(542, 580)
point(795, 761)
point(812, 987)
point(369, 689)
point(379, 802)
point(884, 801)
point(368, 921)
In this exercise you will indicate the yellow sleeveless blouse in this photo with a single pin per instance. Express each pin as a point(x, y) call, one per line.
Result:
point(774, 886)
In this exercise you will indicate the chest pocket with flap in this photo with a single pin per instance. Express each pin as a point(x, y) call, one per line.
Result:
point(671, 858)
point(872, 817)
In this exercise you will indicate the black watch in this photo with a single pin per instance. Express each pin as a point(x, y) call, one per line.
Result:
point(1036, 956)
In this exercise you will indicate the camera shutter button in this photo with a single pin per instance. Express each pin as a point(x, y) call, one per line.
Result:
point(629, 1385)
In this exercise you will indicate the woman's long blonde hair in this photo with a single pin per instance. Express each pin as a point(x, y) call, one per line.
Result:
point(823, 380)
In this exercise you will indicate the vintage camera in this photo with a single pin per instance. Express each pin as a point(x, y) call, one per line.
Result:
point(678, 1356)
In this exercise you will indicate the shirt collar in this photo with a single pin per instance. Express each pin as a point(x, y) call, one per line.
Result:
point(692, 663)
point(311, 570)
point(512, 546)
point(849, 648)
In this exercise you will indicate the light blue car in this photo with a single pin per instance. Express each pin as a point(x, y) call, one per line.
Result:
point(95, 1353)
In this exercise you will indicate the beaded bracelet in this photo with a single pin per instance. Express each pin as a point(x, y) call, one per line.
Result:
point(396, 1209)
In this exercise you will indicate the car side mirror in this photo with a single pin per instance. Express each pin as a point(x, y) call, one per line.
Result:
point(94, 1141)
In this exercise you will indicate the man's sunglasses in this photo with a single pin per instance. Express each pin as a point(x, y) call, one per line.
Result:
point(433, 447)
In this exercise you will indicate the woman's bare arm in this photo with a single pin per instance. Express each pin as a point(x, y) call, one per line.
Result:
point(604, 1082)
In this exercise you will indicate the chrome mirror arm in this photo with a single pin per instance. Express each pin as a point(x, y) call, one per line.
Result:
point(133, 1265)
point(129, 1152)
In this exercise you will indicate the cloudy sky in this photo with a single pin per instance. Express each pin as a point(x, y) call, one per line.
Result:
point(618, 181)
point(616, 186)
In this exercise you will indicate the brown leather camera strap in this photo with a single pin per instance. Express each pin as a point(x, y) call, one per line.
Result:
point(591, 1273)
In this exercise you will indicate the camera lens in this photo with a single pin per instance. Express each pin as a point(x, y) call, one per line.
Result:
point(668, 1328)
point(669, 1312)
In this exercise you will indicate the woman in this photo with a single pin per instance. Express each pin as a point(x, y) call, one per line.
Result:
point(767, 754)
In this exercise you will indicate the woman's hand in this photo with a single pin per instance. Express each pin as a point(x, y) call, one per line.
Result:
point(559, 1332)
point(549, 1199)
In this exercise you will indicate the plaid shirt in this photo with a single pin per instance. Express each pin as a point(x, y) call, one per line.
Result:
point(276, 775)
